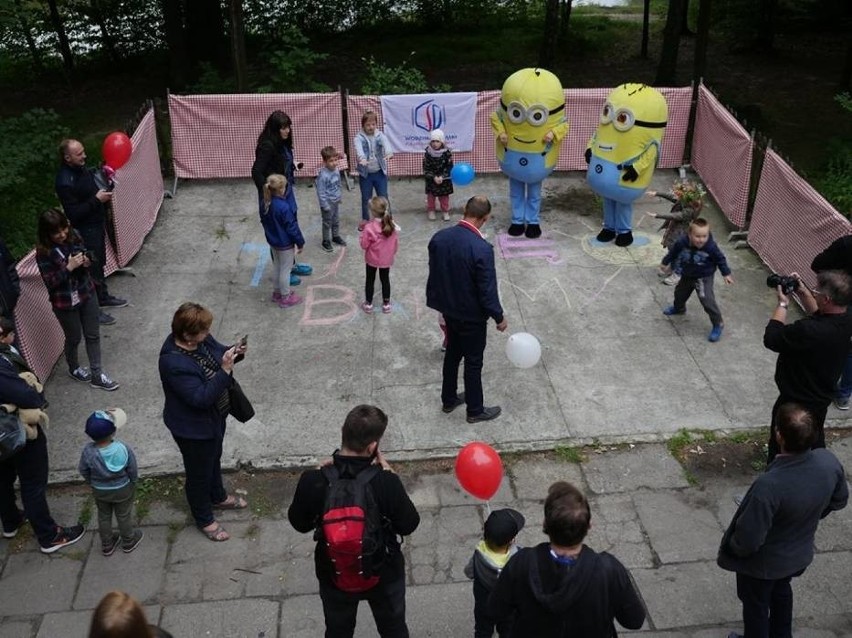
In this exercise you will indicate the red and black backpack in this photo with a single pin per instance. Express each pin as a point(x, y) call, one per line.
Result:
point(352, 530)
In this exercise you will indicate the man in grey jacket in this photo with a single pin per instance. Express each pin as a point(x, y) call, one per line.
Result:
point(771, 537)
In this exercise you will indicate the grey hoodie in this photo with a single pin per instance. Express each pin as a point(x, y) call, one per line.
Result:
point(108, 468)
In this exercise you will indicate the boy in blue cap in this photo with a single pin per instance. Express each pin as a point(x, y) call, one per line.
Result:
point(109, 466)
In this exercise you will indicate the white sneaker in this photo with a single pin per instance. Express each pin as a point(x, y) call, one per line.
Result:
point(431, 215)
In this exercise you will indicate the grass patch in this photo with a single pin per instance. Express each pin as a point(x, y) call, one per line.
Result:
point(221, 232)
point(175, 528)
point(166, 489)
point(86, 511)
point(679, 442)
point(262, 506)
point(252, 531)
point(690, 478)
point(570, 454)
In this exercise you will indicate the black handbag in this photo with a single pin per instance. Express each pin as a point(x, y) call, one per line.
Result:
point(13, 436)
point(240, 406)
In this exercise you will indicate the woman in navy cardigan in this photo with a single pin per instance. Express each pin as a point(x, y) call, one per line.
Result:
point(195, 371)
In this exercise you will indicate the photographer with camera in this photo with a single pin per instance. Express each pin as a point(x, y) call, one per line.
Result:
point(812, 350)
point(838, 256)
point(85, 203)
point(64, 262)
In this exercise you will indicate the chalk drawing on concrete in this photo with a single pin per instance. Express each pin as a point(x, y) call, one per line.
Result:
point(263, 258)
point(323, 295)
point(523, 248)
point(645, 251)
point(547, 286)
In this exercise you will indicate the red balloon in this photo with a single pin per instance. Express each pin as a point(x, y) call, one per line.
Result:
point(479, 470)
point(117, 149)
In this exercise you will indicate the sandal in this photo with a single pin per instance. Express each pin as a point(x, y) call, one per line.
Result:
point(232, 503)
point(217, 534)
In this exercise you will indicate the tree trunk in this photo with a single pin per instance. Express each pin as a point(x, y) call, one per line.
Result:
point(175, 41)
point(550, 38)
point(646, 28)
point(205, 31)
point(106, 38)
point(684, 21)
point(699, 69)
point(59, 27)
point(766, 25)
point(28, 36)
point(238, 44)
point(563, 21)
point(667, 69)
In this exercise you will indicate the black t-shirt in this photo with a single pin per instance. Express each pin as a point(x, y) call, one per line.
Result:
point(811, 354)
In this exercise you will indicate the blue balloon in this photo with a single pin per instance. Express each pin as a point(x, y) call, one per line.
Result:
point(462, 174)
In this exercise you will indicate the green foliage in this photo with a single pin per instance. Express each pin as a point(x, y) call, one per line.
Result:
point(570, 453)
point(382, 79)
point(680, 441)
point(28, 158)
point(291, 65)
point(844, 100)
point(835, 183)
point(211, 82)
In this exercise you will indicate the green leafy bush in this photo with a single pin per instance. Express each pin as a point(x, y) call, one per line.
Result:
point(211, 82)
point(28, 165)
point(396, 80)
point(291, 66)
point(835, 183)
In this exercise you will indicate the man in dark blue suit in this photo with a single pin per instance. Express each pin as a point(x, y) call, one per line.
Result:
point(462, 286)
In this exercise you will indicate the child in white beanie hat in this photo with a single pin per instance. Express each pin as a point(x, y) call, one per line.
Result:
point(437, 164)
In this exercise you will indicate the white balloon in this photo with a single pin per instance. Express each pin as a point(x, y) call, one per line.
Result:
point(523, 350)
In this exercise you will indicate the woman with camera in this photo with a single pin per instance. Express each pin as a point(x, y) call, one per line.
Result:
point(64, 266)
point(196, 373)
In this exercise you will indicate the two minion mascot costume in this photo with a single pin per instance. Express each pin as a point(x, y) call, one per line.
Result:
point(623, 153)
point(528, 129)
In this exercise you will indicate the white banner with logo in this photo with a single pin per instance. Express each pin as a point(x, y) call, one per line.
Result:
point(408, 120)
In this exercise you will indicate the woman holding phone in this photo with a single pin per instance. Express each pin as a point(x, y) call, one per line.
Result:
point(196, 373)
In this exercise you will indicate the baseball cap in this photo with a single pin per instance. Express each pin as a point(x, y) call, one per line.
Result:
point(502, 526)
point(103, 423)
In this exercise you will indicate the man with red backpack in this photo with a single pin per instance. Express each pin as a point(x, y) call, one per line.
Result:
point(359, 509)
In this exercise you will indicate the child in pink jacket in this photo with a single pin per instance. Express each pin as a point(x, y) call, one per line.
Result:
point(380, 241)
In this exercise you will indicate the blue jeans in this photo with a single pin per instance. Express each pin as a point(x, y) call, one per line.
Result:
point(767, 606)
point(844, 386)
point(203, 483)
point(526, 201)
point(30, 465)
point(465, 340)
point(377, 181)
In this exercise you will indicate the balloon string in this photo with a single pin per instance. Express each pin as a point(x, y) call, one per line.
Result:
point(487, 508)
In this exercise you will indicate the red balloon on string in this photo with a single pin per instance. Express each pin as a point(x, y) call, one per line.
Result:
point(479, 470)
point(117, 149)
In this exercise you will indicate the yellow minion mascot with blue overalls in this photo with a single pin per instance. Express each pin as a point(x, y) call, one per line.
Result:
point(528, 129)
point(623, 153)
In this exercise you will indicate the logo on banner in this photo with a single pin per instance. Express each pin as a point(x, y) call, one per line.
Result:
point(428, 115)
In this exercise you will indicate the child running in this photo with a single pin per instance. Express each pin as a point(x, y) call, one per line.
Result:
point(437, 164)
point(380, 242)
point(699, 257)
point(373, 152)
point(328, 193)
point(109, 466)
point(488, 560)
point(687, 200)
point(284, 237)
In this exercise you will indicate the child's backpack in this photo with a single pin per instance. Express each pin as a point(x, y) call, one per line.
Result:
point(351, 528)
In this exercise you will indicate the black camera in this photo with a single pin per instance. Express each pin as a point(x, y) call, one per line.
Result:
point(88, 254)
point(788, 283)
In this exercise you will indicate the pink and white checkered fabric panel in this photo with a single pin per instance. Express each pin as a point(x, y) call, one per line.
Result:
point(791, 222)
point(583, 111)
point(721, 155)
point(214, 136)
point(138, 191)
point(38, 330)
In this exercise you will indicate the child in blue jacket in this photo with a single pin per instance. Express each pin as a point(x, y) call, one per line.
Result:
point(698, 256)
point(281, 228)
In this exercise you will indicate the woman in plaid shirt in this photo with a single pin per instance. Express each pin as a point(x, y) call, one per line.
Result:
point(64, 266)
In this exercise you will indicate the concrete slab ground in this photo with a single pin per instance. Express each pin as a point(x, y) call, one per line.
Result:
point(613, 370)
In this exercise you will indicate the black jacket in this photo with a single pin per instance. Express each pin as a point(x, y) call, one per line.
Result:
point(811, 354)
point(76, 189)
point(772, 534)
point(269, 159)
point(393, 502)
point(10, 283)
point(553, 600)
